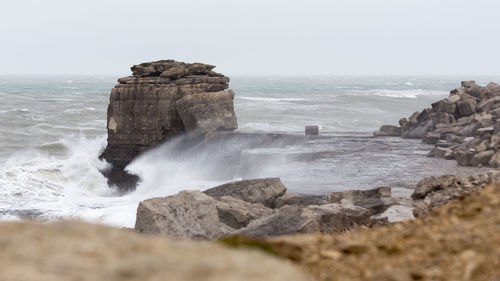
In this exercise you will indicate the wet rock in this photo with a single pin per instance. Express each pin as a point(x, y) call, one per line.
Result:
point(237, 213)
point(482, 158)
point(208, 111)
point(263, 191)
point(189, 214)
point(388, 131)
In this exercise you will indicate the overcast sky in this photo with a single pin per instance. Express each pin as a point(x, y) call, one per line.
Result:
point(290, 37)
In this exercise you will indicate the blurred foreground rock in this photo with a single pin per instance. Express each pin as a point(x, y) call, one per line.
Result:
point(71, 251)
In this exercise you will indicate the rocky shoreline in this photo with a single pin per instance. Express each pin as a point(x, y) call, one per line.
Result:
point(462, 127)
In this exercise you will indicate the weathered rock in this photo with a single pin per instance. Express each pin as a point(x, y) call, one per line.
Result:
point(492, 90)
point(466, 107)
point(437, 191)
point(495, 160)
point(468, 84)
point(482, 158)
point(440, 118)
point(80, 251)
point(327, 218)
point(263, 191)
point(432, 138)
point(189, 214)
point(388, 131)
point(419, 131)
point(208, 112)
point(464, 157)
point(359, 195)
point(444, 106)
point(143, 112)
point(237, 213)
point(300, 200)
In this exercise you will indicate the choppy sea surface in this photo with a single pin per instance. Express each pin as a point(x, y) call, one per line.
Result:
point(52, 130)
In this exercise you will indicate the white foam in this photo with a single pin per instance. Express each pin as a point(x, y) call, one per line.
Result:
point(270, 99)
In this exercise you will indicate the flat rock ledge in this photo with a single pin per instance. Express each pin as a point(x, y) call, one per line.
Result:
point(162, 100)
point(262, 208)
point(463, 127)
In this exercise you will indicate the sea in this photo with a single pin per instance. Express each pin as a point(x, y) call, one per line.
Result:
point(53, 128)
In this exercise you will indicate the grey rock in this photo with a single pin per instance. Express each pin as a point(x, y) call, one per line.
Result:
point(189, 214)
point(263, 191)
point(468, 84)
point(388, 131)
point(432, 138)
point(464, 157)
point(466, 107)
point(208, 112)
point(359, 195)
point(327, 218)
point(477, 91)
point(311, 130)
point(237, 213)
point(482, 158)
point(440, 118)
point(495, 160)
point(419, 131)
point(300, 200)
point(444, 106)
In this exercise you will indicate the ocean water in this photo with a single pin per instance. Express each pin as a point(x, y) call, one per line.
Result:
point(52, 130)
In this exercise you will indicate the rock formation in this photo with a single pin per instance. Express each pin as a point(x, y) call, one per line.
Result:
point(465, 126)
point(163, 99)
point(70, 251)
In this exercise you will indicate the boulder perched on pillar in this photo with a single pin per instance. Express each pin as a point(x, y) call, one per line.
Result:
point(155, 105)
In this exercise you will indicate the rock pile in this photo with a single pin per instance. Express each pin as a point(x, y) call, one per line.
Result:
point(163, 99)
point(463, 127)
point(262, 208)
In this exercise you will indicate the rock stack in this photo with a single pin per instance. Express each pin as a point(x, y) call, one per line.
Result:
point(163, 99)
point(463, 126)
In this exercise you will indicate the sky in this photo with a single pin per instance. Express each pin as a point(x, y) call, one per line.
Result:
point(256, 37)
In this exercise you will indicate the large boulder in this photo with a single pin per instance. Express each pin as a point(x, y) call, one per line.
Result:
point(237, 213)
point(208, 111)
point(81, 251)
point(189, 214)
point(482, 158)
point(359, 195)
point(263, 191)
point(466, 107)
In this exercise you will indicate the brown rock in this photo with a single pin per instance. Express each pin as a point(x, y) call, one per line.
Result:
point(237, 213)
point(388, 131)
point(466, 107)
point(482, 158)
point(208, 112)
point(66, 251)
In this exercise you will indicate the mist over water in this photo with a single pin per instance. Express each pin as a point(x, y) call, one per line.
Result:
point(52, 130)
